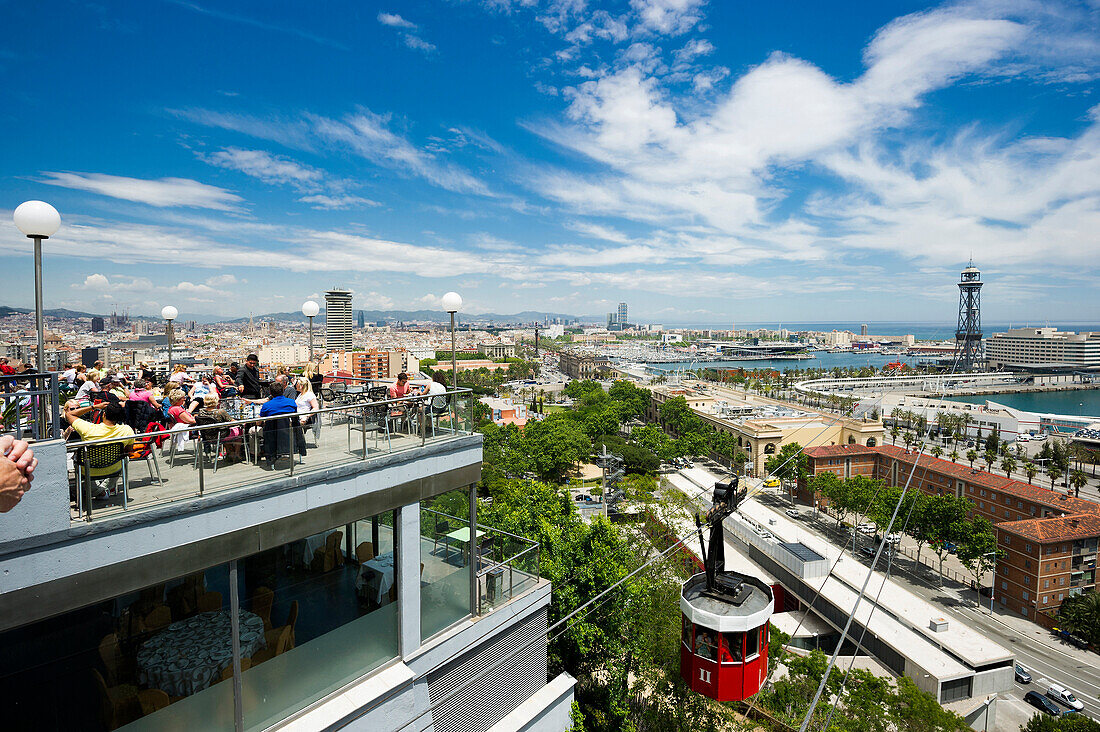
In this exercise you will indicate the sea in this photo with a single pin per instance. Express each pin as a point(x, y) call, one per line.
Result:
point(921, 330)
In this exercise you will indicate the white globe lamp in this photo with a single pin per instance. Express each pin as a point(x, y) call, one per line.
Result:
point(38, 220)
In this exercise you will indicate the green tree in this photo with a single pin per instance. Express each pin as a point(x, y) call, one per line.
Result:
point(978, 548)
point(1070, 723)
point(990, 457)
point(894, 432)
point(652, 438)
point(789, 464)
point(936, 451)
point(993, 441)
point(917, 711)
point(954, 456)
point(1078, 481)
point(1054, 473)
point(971, 455)
point(945, 518)
point(1008, 464)
point(555, 445)
point(1030, 470)
point(1080, 614)
point(633, 400)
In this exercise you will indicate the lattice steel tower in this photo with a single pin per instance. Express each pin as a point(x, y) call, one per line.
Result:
point(968, 336)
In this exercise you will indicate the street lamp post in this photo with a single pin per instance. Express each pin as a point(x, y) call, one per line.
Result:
point(38, 220)
point(452, 302)
point(310, 310)
point(993, 582)
point(169, 313)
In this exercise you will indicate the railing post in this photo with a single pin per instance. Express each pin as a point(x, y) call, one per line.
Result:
point(199, 456)
point(475, 594)
point(235, 629)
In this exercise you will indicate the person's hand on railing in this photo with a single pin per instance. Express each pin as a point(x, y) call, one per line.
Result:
point(17, 466)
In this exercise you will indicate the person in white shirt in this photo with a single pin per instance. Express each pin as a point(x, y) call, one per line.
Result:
point(306, 401)
point(69, 375)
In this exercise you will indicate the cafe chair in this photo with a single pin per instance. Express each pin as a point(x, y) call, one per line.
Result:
point(159, 617)
point(369, 419)
point(263, 599)
point(114, 661)
point(210, 602)
point(278, 643)
point(364, 552)
point(152, 700)
point(142, 449)
point(328, 557)
point(292, 621)
point(227, 672)
point(119, 704)
point(110, 457)
point(438, 406)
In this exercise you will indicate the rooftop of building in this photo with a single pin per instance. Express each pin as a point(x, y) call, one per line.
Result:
point(832, 451)
point(1061, 528)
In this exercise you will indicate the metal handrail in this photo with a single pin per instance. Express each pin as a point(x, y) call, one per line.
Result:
point(481, 526)
point(503, 562)
point(42, 395)
point(254, 420)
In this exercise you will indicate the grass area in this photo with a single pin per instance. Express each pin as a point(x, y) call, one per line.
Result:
point(551, 408)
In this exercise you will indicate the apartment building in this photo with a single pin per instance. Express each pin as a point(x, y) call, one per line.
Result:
point(371, 363)
point(322, 594)
point(1049, 539)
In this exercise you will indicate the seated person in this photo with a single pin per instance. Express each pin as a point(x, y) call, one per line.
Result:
point(181, 418)
point(178, 374)
point(306, 401)
point(277, 404)
point(224, 383)
point(112, 425)
point(402, 389)
point(89, 387)
point(198, 391)
point(210, 413)
point(143, 392)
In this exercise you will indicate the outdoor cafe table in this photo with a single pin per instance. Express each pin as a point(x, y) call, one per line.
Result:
point(462, 536)
point(189, 655)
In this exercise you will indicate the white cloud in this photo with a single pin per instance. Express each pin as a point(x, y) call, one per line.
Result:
point(394, 20)
point(417, 43)
point(164, 192)
point(223, 280)
point(323, 202)
point(272, 169)
point(668, 17)
point(362, 133)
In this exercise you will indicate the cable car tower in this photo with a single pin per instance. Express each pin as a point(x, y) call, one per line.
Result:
point(968, 335)
point(724, 615)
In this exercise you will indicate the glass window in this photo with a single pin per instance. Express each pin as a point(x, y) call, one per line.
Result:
point(685, 632)
point(315, 615)
point(731, 648)
point(706, 644)
point(752, 643)
point(445, 560)
point(152, 659)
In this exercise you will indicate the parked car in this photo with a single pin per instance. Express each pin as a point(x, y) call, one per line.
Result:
point(1043, 704)
point(893, 538)
point(867, 552)
point(950, 547)
point(1022, 675)
point(772, 483)
point(1023, 437)
point(792, 512)
point(867, 528)
point(1063, 695)
point(583, 497)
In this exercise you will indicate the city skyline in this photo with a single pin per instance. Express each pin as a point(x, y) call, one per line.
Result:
point(702, 162)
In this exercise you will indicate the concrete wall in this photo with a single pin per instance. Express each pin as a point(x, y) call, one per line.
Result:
point(45, 507)
point(994, 681)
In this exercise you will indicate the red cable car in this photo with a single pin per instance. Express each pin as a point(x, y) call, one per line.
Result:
point(724, 637)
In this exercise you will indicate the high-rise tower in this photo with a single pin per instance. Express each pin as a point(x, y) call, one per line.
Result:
point(968, 335)
point(338, 320)
point(622, 315)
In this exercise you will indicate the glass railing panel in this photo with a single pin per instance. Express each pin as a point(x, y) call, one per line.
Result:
point(327, 607)
point(445, 554)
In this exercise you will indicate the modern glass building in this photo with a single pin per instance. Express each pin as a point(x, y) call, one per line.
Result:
point(338, 320)
point(322, 592)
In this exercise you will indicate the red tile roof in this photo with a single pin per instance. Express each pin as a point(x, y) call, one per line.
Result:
point(827, 451)
point(1061, 528)
point(1052, 499)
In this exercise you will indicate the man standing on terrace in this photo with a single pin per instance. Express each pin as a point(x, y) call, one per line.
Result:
point(248, 378)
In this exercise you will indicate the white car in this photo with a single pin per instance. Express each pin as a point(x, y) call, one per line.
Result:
point(792, 512)
point(867, 528)
point(1064, 696)
point(893, 538)
point(1023, 437)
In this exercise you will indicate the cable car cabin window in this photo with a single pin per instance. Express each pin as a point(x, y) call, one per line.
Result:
point(752, 643)
point(706, 645)
point(731, 648)
point(686, 635)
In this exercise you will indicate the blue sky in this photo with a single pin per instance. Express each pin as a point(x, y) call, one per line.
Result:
point(703, 161)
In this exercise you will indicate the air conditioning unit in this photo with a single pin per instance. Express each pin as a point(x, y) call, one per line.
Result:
point(938, 625)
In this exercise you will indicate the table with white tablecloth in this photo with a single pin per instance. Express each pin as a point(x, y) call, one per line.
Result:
point(377, 576)
point(311, 544)
point(189, 655)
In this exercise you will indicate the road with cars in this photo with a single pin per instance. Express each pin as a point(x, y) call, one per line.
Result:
point(1047, 658)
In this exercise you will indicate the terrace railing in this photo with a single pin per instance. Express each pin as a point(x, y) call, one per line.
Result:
point(30, 406)
point(186, 462)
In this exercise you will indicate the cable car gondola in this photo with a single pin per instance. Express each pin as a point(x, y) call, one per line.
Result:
point(724, 616)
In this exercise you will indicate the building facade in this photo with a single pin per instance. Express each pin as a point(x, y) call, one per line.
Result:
point(1031, 347)
point(497, 350)
point(371, 363)
point(1048, 539)
point(324, 600)
point(338, 320)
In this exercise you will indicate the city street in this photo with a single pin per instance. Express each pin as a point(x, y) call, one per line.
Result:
point(1043, 654)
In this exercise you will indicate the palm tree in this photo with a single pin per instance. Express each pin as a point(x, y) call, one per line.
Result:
point(894, 433)
point(1008, 464)
point(907, 439)
point(971, 455)
point(1030, 470)
point(1078, 481)
point(990, 457)
point(1080, 614)
point(954, 456)
point(1054, 473)
point(936, 451)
